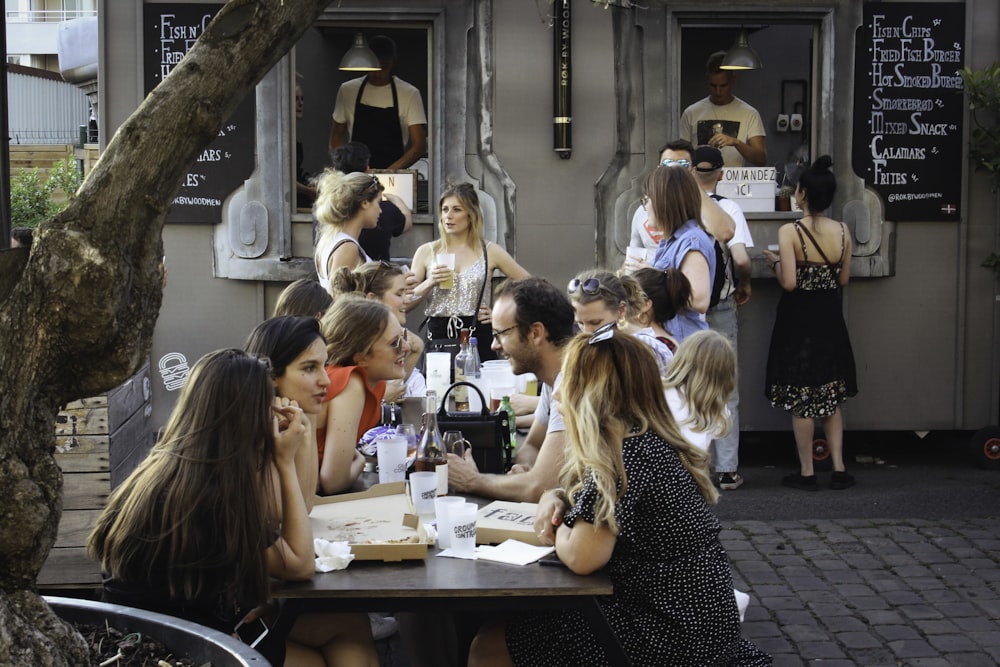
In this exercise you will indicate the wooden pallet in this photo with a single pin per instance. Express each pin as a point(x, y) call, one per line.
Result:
point(99, 442)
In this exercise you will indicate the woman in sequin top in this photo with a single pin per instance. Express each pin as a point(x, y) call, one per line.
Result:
point(467, 303)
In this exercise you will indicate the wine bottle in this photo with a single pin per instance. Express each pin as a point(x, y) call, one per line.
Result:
point(461, 394)
point(431, 454)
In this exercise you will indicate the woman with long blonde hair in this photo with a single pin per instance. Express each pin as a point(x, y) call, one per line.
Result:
point(467, 303)
point(701, 378)
point(635, 502)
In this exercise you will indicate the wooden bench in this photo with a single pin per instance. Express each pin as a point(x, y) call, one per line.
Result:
point(99, 442)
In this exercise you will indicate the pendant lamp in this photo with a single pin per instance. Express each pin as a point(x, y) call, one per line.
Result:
point(741, 56)
point(359, 58)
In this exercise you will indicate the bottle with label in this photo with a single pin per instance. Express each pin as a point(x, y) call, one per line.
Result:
point(431, 454)
point(511, 422)
point(461, 394)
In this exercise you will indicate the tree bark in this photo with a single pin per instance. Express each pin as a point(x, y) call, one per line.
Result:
point(78, 319)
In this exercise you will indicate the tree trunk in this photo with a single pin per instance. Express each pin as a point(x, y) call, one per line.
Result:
point(78, 319)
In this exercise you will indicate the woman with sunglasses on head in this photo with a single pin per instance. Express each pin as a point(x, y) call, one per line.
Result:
point(365, 347)
point(810, 364)
point(466, 303)
point(386, 282)
point(345, 204)
point(228, 450)
point(602, 299)
point(636, 502)
point(673, 201)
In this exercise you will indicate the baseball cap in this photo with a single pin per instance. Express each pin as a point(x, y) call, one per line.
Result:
point(707, 155)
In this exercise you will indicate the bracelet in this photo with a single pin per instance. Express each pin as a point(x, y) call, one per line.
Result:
point(774, 267)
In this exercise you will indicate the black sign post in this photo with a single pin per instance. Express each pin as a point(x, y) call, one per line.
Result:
point(169, 31)
point(909, 107)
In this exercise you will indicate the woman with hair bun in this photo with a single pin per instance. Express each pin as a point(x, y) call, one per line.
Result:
point(668, 292)
point(810, 366)
point(345, 204)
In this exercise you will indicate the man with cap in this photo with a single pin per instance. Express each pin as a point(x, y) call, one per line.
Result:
point(724, 121)
point(383, 112)
point(707, 169)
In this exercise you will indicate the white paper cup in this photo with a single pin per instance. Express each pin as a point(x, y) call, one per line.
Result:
point(391, 453)
point(438, 375)
point(423, 491)
point(638, 254)
point(774, 247)
point(442, 507)
point(463, 528)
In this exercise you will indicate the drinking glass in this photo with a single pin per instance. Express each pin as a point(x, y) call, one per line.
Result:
point(408, 431)
point(455, 443)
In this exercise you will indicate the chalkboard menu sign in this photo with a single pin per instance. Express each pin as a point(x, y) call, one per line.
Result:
point(909, 106)
point(168, 31)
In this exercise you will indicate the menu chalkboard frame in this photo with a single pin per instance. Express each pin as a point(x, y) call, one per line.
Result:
point(169, 30)
point(909, 108)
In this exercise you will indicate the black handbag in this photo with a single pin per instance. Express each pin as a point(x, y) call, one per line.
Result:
point(487, 432)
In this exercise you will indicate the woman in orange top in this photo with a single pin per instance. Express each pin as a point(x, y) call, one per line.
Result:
point(366, 346)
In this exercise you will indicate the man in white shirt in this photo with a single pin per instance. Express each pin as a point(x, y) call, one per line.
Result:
point(383, 112)
point(532, 322)
point(707, 169)
point(724, 121)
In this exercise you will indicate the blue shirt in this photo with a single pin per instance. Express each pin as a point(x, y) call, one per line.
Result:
point(670, 253)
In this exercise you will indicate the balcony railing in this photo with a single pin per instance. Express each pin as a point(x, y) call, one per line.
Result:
point(47, 15)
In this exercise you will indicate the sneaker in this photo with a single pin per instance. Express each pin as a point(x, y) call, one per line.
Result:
point(841, 480)
point(730, 480)
point(383, 627)
point(797, 481)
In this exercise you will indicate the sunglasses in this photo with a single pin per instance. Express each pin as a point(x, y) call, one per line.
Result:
point(603, 333)
point(590, 286)
point(400, 341)
point(680, 163)
point(375, 185)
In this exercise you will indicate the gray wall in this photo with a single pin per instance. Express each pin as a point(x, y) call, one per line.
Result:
point(924, 335)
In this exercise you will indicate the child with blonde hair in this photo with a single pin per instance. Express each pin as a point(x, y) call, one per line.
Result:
point(698, 384)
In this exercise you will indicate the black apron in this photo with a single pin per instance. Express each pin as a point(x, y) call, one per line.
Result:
point(378, 129)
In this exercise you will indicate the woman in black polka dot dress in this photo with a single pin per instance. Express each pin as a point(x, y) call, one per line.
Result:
point(640, 510)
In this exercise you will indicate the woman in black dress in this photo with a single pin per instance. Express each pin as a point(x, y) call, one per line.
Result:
point(810, 366)
point(636, 504)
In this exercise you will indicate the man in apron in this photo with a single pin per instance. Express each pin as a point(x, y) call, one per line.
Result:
point(383, 112)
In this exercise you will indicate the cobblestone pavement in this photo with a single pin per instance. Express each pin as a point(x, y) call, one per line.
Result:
point(870, 592)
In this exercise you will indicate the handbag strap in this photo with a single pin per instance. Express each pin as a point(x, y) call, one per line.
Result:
point(443, 412)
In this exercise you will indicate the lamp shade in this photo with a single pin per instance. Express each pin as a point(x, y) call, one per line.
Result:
point(741, 56)
point(359, 58)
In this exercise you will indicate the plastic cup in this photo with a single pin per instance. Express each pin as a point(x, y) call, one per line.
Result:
point(442, 505)
point(391, 453)
point(638, 254)
point(462, 531)
point(423, 491)
point(497, 394)
point(448, 259)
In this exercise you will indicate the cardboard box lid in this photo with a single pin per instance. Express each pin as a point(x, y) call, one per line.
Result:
point(502, 520)
point(377, 523)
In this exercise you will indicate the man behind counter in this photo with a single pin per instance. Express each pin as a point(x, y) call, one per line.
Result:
point(724, 121)
point(383, 112)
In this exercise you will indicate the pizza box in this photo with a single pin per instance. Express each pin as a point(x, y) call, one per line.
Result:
point(378, 523)
point(503, 520)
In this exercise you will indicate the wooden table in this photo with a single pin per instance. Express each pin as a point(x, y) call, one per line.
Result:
point(456, 585)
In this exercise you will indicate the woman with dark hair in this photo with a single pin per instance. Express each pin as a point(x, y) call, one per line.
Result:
point(228, 450)
point(345, 204)
point(673, 201)
point(668, 292)
point(467, 303)
point(635, 502)
point(304, 296)
point(810, 366)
